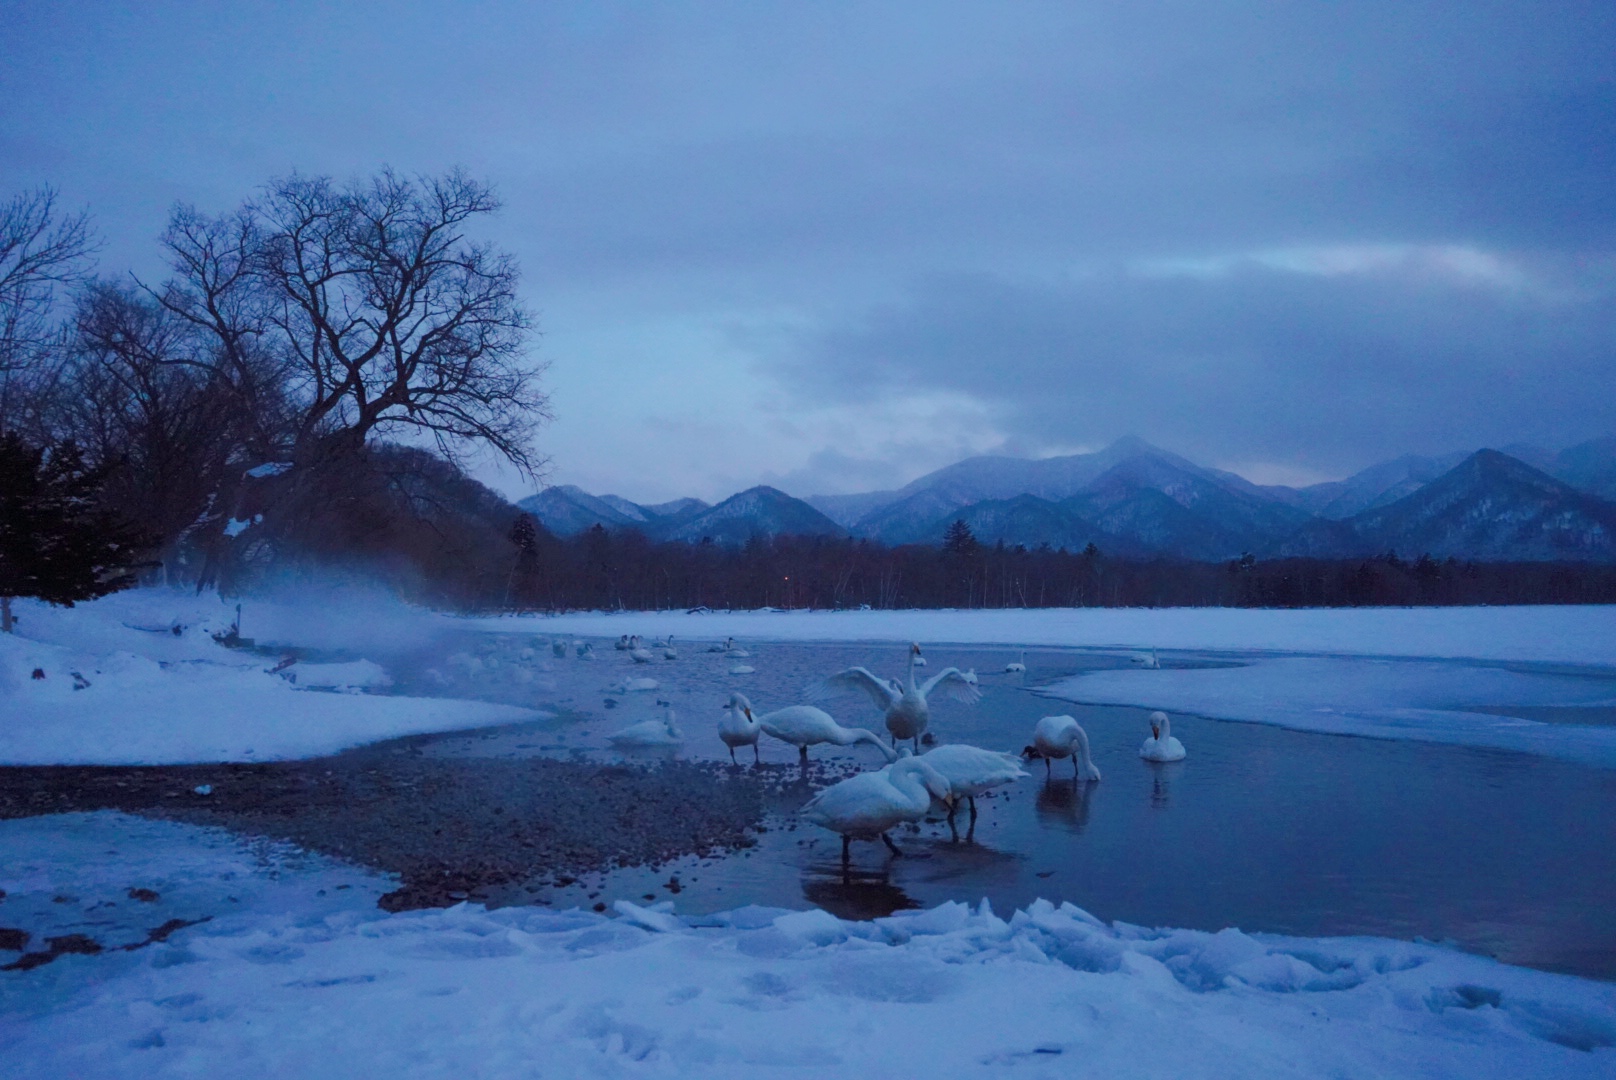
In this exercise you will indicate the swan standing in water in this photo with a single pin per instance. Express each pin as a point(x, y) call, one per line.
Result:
point(1161, 746)
point(662, 732)
point(907, 712)
point(1017, 667)
point(970, 771)
point(865, 806)
point(740, 728)
point(803, 726)
point(1062, 736)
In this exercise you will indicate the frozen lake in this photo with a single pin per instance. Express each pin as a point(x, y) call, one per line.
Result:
point(1261, 827)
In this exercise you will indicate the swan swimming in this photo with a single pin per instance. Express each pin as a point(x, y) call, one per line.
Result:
point(1017, 667)
point(804, 725)
point(558, 647)
point(668, 651)
point(742, 669)
point(907, 712)
point(971, 770)
point(740, 728)
point(662, 732)
point(1062, 736)
point(1161, 746)
point(865, 806)
point(584, 649)
point(1146, 660)
point(633, 686)
point(638, 652)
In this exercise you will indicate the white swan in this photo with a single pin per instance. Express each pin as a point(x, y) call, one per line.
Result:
point(735, 652)
point(865, 806)
point(723, 646)
point(623, 644)
point(559, 648)
point(907, 712)
point(1062, 736)
point(584, 649)
point(971, 770)
point(741, 669)
point(803, 726)
point(1146, 660)
point(633, 686)
point(1017, 667)
point(638, 652)
point(668, 651)
point(739, 727)
point(1161, 746)
point(662, 732)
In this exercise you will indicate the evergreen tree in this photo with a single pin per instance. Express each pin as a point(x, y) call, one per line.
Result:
point(959, 540)
point(56, 543)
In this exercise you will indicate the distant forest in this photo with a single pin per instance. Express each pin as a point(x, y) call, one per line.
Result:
point(601, 569)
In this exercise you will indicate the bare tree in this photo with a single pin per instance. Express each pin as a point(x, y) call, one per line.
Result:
point(40, 251)
point(377, 308)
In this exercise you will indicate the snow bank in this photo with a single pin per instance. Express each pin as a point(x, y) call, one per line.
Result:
point(1580, 635)
point(1387, 699)
point(111, 683)
point(289, 981)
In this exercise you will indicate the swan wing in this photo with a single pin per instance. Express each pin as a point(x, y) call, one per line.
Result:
point(953, 682)
point(854, 678)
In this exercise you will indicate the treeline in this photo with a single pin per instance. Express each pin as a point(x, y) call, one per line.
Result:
point(299, 388)
point(623, 570)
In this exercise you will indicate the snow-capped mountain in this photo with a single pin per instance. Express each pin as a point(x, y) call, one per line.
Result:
point(1492, 506)
point(567, 510)
point(757, 511)
point(1133, 498)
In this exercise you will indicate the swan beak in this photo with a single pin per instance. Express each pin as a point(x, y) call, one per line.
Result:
point(748, 714)
point(1155, 732)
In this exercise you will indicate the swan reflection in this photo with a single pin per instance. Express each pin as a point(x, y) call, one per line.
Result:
point(1063, 803)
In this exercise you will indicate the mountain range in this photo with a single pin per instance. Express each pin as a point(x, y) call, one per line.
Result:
point(1135, 499)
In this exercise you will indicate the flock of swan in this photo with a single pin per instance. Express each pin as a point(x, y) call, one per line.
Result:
point(869, 805)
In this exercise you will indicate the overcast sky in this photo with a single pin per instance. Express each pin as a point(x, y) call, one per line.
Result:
point(832, 247)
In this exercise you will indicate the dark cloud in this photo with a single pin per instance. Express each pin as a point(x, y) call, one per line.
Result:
point(959, 195)
point(1389, 352)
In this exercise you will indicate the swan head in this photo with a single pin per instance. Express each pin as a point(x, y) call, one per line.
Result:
point(739, 703)
point(914, 649)
point(1158, 723)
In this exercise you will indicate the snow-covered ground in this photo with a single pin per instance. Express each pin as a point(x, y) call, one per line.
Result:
point(297, 974)
point(1386, 699)
point(1568, 635)
point(109, 682)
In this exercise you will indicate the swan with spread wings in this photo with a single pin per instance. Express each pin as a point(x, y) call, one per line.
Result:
point(907, 712)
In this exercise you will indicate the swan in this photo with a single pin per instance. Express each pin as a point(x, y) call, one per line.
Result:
point(633, 686)
point(662, 732)
point(739, 727)
point(584, 649)
point(971, 770)
point(1017, 667)
point(742, 669)
point(638, 652)
point(623, 644)
point(1161, 746)
point(1146, 660)
point(1061, 736)
point(907, 712)
point(865, 806)
point(723, 646)
point(735, 652)
point(804, 725)
point(559, 648)
point(668, 651)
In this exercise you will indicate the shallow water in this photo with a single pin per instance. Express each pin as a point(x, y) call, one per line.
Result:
point(1261, 827)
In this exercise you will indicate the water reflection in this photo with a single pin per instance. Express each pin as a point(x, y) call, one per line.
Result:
point(852, 893)
point(1161, 783)
point(1064, 803)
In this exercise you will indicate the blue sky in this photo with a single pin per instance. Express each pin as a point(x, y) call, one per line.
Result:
point(832, 246)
